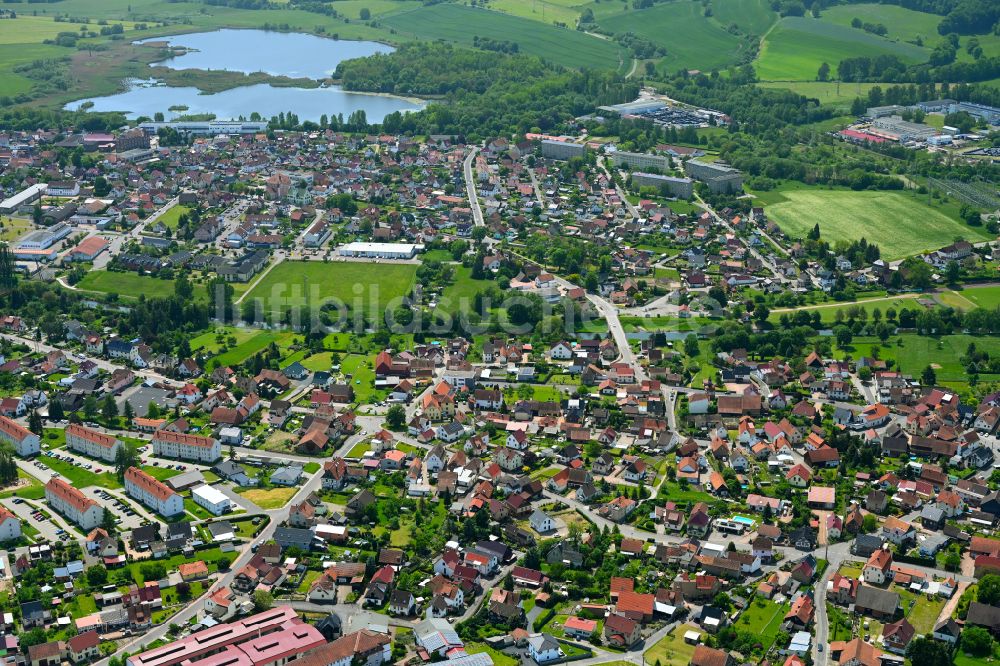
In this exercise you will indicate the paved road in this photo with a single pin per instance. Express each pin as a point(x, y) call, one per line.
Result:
point(470, 187)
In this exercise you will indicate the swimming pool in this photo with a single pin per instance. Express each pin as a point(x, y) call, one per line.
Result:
point(745, 520)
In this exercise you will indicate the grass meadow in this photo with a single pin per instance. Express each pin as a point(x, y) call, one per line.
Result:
point(900, 223)
point(796, 47)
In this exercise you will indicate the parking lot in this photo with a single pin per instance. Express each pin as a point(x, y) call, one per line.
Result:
point(53, 528)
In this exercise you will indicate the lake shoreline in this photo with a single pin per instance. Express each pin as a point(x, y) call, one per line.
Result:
point(238, 73)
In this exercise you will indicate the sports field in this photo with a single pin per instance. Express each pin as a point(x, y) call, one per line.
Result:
point(457, 23)
point(796, 47)
point(973, 296)
point(363, 285)
point(697, 43)
point(899, 223)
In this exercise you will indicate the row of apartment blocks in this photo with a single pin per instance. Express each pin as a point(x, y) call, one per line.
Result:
point(153, 493)
point(91, 442)
point(186, 447)
point(73, 504)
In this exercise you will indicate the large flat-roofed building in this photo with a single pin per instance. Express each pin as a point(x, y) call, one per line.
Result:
point(153, 493)
point(990, 114)
point(212, 499)
point(682, 188)
point(91, 442)
point(25, 442)
point(72, 503)
point(208, 127)
point(42, 239)
point(380, 250)
point(25, 197)
point(640, 160)
point(882, 111)
point(187, 447)
point(895, 127)
point(562, 150)
point(272, 638)
point(720, 178)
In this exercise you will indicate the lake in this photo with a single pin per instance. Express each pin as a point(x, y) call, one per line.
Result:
point(295, 55)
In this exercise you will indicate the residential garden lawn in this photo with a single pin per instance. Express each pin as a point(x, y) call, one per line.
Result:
point(903, 24)
point(402, 536)
point(360, 374)
point(457, 23)
point(268, 498)
point(308, 579)
point(196, 510)
point(673, 491)
point(795, 48)
point(764, 618)
point(706, 44)
point(333, 283)
point(499, 658)
point(900, 223)
point(12, 228)
point(924, 613)
point(850, 570)
point(672, 650)
point(753, 16)
point(132, 285)
point(358, 450)
point(173, 216)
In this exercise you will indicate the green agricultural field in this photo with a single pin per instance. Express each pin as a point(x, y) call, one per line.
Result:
point(827, 92)
point(753, 16)
point(904, 25)
point(796, 47)
point(546, 11)
point(27, 29)
point(293, 284)
point(132, 285)
point(705, 44)
point(457, 23)
point(898, 222)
